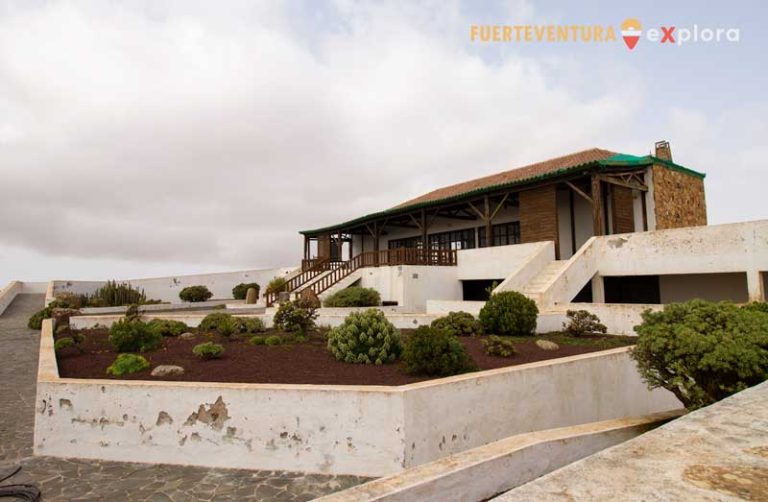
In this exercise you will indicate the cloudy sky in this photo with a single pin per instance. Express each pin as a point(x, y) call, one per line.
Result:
point(158, 138)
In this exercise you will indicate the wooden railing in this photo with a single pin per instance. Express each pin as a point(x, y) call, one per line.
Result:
point(338, 270)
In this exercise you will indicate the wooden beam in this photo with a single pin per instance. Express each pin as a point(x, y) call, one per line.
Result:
point(500, 205)
point(634, 186)
point(413, 218)
point(578, 191)
point(597, 206)
point(476, 210)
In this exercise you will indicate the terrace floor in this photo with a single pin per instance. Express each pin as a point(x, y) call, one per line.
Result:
point(75, 479)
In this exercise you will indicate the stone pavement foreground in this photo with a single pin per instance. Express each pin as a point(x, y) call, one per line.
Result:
point(73, 479)
point(716, 453)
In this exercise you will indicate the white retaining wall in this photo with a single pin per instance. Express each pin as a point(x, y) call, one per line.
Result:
point(9, 293)
point(364, 430)
point(411, 286)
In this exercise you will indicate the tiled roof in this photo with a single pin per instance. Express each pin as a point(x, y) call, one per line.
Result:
point(513, 175)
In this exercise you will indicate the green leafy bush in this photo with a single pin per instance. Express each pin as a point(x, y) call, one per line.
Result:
point(435, 352)
point(273, 340)
point(133, 335)
point(63, 343)
point(208, 350)
point(498, 346)
point(582, 322)
point(459, 324)
point(127, 363)
point(365, 337)
point(757, 307)
point(702, 351)
point(195, 294)
point(69, 300)
point(239, 291)
point(114, 294)
point(354, 297)
point(227, 324)
point(167, 327)
point(509, 313)
point(276, 285)
point(257, 340)
point(295, 317)
point(36, 320)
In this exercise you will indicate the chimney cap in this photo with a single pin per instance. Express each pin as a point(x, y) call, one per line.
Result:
point(663, 150)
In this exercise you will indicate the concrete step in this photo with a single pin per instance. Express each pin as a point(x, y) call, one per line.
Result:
point(538, 284)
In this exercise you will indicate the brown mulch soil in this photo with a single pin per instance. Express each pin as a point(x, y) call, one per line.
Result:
point(308, 362)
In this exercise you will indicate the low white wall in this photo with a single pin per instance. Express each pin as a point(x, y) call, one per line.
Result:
point(442, 307)
point(163, 307)
point(364, 430)
point(167, 288)
point(9, 293)
point(498, 262)
point(34, 288)
point(411, 286)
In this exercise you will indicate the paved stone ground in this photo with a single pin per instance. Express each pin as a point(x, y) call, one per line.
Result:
point(72, 479)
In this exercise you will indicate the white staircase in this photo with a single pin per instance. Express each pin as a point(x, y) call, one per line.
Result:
point(539, 284)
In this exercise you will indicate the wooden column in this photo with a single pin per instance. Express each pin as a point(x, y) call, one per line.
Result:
point(339, 247)
point(488, 228)
point(376, 243)
point(351, 246)
point(306, 247)
point(597, 206)
point(424, 238)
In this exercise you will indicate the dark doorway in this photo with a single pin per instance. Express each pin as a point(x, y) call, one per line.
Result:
point(632, 289)
point(479, 291)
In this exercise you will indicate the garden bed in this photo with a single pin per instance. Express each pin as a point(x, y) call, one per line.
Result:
point(307, 362)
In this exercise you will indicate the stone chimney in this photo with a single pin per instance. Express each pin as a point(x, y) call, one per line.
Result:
point(663, 150)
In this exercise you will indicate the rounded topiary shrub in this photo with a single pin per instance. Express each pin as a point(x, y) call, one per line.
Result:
point(133, 335)
point(212, 321)
point(208, 350)
point(354, 297)
point(366, 338)
point(459, 324)
point(295, 317)
point(239, 291)
point(509, 313)
point(127, 363)
point(167, 327)
point(227, 324)
point(435, 352)
point(195, 294)
point(702, 351)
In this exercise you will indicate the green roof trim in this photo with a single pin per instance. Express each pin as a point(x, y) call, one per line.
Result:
point(620, 159)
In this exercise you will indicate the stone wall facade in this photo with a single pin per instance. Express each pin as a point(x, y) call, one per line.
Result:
point(538, 215)
point(679, 199)
point(622, 209)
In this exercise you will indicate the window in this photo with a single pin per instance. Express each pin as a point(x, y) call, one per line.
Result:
point(408, 242)
point(503, 234)
point(458, 239)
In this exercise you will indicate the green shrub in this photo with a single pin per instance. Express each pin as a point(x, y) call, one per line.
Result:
point(702, 351)
point(36, 320)
point(582, 322)
point(167, 327)
point(257, 340)
point(195, 294)
point(295, 317)
point(114, 294)
point(354, 297)
point(276, 285)
point(239, 291)
point(227, 324)
point(208, 350)
point(497, 346)
point(127, 363)
point(509, 313)
point(365, 337)
point(133, 335)
point(79, 338)
point(273, 340)
point(757, 307)
point(435, 352)
point(459, 324)
point(61, 328)
point(69, 300)
point(63, 343)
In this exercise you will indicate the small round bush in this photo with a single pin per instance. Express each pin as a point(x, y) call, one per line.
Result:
point(127, 363)
point(499, 347)
point(354, 297)
point(227, 324)
point(365, 337)
point(63, 343)
point(257, 340)
point(166, 327)
point(702, 351)
point(295, 317)
point(435, 352)
point(273, 340)
point(276, 285)
point(195, 294)
point(211, 321)
point(133, 335)
point(459, 324)
point(239, 291)
point(208, 350)
point(250, 324)
point(509, 313)
point(583, 322)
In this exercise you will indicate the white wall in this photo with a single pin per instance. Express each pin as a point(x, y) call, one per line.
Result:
point(167, 288)
point(411, 286)
point(9, 293)
point(496, 262)
point(371, 431)
point(713, 287)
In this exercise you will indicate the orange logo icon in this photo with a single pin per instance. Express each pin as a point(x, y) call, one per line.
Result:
point(630, 32)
